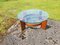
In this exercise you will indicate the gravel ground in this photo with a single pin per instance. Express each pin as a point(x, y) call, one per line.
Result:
point(50, 36)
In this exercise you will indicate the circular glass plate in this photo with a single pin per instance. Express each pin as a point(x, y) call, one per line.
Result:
point(33, 16)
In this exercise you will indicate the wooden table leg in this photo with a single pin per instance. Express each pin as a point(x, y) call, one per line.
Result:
point(22, 26)
point(44, 24)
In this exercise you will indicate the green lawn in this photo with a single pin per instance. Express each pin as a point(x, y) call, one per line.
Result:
point(11, 8)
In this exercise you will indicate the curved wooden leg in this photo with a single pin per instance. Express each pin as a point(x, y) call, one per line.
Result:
point(22, 24)
point(44, 24)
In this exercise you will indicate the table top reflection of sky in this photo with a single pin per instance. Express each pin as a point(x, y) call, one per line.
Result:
point(34, 16)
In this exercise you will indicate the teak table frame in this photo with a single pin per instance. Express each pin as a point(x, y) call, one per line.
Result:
point(42, 25)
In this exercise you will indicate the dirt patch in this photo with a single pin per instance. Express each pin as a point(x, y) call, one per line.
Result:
point(51, 36)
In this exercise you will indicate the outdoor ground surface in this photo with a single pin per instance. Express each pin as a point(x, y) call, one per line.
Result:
point(35, 36)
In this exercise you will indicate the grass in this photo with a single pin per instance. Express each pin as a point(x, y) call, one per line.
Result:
point(12, 8)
